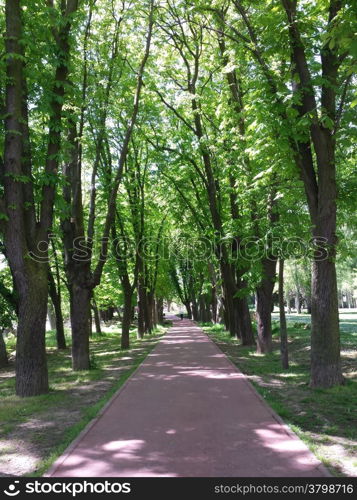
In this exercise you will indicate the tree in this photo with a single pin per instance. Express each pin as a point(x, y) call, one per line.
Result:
point(312, 119)
point(24, 230)
point(81, 277)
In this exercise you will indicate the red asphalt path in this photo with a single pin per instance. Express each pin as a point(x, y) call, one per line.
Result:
point(187, 412)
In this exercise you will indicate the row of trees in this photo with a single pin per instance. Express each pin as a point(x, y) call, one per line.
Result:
point(132, 124)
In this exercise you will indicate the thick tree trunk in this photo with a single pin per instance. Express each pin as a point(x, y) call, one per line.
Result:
point(80, 310)
point(188, 309)
point(194, 309)
point(30, 277)
point(230, 303)
point(31, 359)
point(264, 294)
point(245, 322)
point(283, 331)
point(244, 319)
point(204, 309)
point(325, 340)
point(3, 354)
point(160, 310)
point(56, 301)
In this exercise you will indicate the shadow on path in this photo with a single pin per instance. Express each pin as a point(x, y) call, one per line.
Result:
point(187, 411)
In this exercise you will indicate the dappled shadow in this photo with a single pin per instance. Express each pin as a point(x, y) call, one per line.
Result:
point(176, 452)
point(188, 412)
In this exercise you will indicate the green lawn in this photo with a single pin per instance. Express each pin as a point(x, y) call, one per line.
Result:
point(34, 431)
point(326, 419)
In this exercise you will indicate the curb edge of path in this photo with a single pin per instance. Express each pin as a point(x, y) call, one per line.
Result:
point(73, 445)
point(320, 467)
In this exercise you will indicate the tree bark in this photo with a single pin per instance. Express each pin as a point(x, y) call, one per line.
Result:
point(283, 331)
point(160, 310)
point(188, 309)
point(31, 359)
point(126, 321)
point(264, 294)
point(245, 322)
point(141, 306)
point(30, 277)
point(325, 342)
point(56, 301)
point(195, 310)
point(80, 298)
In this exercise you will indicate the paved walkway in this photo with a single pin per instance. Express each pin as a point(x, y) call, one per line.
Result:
point(187, 411)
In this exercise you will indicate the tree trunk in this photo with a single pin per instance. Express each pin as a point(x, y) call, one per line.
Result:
point(56, 301)
point(80, 310)
point(283, 331)
point(325, 340)
point(160, 310)
point(188, 309)
point(264, 305)
point(245, 322)
point(3, 354)
point(98, 327)
point(31, 359)
point(126, 321)
point(147, 313)
point(194, 308)
point(230, 303)
point(141, 313)
point(155, 313)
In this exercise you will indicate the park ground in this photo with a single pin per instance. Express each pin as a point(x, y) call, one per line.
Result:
point(35, 431)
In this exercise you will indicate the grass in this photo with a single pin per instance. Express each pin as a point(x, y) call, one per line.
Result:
point(46, 424)
point(324, 418)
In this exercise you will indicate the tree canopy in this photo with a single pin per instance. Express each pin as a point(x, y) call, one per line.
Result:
point(167, 150)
